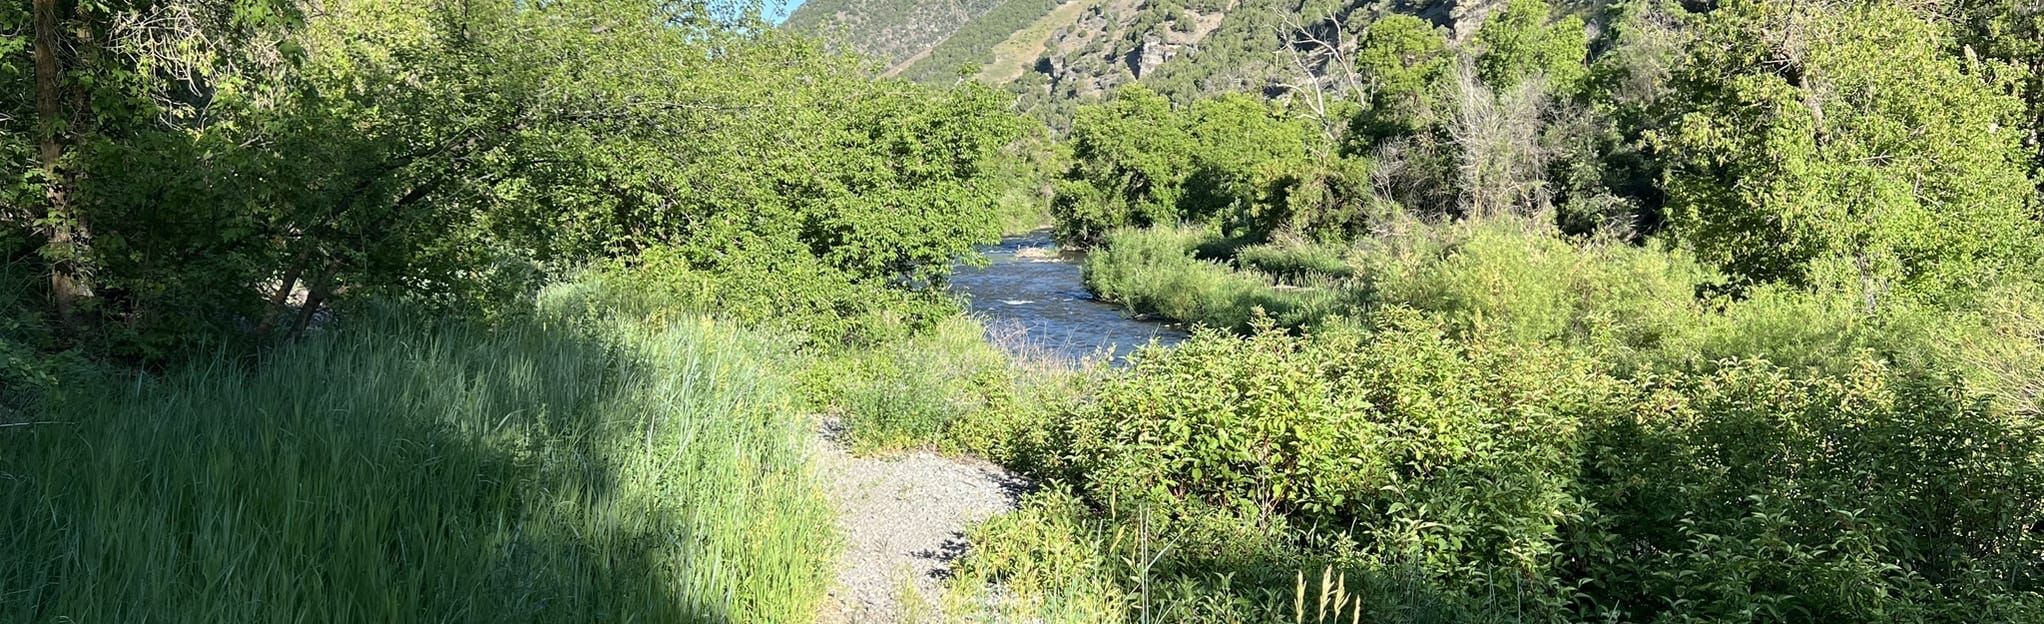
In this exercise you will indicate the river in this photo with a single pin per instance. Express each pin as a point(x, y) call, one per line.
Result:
point(1034, 302)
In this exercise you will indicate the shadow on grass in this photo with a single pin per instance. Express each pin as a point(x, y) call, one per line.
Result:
point(535, 473)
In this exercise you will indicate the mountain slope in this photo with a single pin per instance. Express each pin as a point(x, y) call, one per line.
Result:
point(974, 43)
point(889, 30)
point(1054, 53)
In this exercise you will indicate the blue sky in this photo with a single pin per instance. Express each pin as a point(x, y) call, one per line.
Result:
point(778, 11)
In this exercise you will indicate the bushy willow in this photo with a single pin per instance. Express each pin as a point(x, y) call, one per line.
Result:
point(241, 167)
point(1847, 144)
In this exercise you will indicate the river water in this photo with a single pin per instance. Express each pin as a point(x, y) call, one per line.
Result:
point(1034, 302)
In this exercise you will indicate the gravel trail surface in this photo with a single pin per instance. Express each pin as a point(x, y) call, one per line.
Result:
point(903, 518)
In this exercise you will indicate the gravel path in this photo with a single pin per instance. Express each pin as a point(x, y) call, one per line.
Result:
point(903, 518)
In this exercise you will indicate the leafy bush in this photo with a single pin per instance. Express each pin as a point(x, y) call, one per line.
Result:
point(789, 292)
point(1408, 62)
point(1234, 161)
point(1524, 40)
point(35, 370)
point(1397, 448)
point(1895, 178)
point(1052, 559)
point(1130, 158)
point(1516, 277)
point(373, 152)
point(1481, 467)
point(1295, 261)
point(910, 392)
point(1863, 497)
point(946, 389)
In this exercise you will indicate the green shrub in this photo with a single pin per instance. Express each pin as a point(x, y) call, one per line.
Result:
point(1155, 271)
point(1234, 161)
point(947, 389)
point(1517, 277)
point(1295, 261)
point(31, 375)
point(791, 293)
point(1895, 178)
point(1052, 559)
point(1525, 39)
point(1130, 158)
point(1862, 497)
point(1402, 449)
point(1456, 471)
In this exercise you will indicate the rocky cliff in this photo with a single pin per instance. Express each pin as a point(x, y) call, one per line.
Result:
point(1052, 52)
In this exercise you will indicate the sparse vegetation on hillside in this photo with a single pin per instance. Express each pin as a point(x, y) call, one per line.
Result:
point(971, 48)
point(892, 31)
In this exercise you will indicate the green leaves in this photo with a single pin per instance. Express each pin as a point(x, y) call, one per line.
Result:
point(1130, 159)
point(1524, 40)
point(1234, 161)
point(439, 153)
point(1852, 150)
point(1862, 497)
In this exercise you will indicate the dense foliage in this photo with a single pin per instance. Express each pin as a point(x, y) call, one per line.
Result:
point(1640, 311)
point(1856, 147)
point(1687, 312)
point(452, 154)
point(1471, 474)
point(374, 310)
point(1234, 161)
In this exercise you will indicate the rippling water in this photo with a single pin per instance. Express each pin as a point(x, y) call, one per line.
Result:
point(1034, 298)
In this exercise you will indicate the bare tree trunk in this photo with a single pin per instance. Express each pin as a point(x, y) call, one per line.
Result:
point(67, 284)
point(277, 300)
point(322, 287)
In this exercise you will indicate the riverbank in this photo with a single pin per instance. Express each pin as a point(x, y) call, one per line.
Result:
point(1033, 299)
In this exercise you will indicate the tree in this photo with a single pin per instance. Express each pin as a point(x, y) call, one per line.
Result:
point(107, 74)
point(244, 167)
point(1130, 159)
point(1523, 40)
point(67, 284)
point(1846, 146)
point(1246, 152)
point(1408, 65)
point(2011, 33)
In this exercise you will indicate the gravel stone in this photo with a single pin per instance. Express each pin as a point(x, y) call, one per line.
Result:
point(903, 518)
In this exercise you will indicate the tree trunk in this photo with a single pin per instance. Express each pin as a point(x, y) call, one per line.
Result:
point(67, 284)
point(275, 310)
point(322, 287)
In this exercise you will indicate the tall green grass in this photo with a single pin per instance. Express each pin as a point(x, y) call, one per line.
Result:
point(1156, 271)
point(949, 389)
point(398, 469)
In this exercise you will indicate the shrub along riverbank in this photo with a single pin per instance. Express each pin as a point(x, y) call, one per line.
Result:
point(1498, 424)
point(1463, 440)
point(1674, 319)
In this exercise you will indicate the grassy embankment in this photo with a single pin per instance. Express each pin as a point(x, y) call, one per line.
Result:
point(576, 465)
